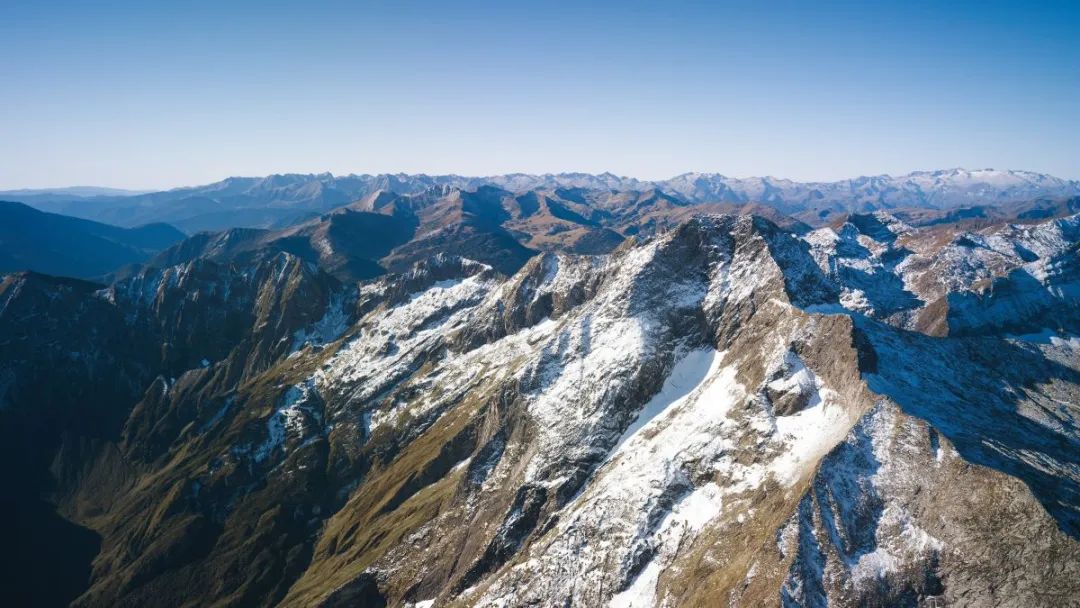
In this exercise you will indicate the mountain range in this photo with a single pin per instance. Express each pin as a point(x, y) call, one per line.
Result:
point(569, 390)
point(56, 244)
point(279, 200)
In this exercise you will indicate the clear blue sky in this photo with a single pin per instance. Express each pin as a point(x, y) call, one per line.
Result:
point(161, 94)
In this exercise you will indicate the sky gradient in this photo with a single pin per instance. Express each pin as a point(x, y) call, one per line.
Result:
point(156, 95)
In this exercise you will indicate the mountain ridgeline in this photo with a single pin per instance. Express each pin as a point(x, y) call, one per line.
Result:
point(569, 390)
point(278, 201)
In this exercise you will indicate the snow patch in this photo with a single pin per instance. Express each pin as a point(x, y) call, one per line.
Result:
point(809, 433)
point(330, 327)
point(685, 377)
point(287, 419)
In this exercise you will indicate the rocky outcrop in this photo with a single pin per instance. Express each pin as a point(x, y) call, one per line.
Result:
point(939, 280)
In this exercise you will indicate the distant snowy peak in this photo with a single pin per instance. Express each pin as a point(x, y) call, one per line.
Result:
point(995, 176)
point(920, 188)
point(934, 189)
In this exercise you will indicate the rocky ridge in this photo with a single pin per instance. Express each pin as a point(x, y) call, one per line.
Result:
point(602, 429)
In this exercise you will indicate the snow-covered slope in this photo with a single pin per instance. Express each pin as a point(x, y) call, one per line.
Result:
point(721, 414)
point(940, 280)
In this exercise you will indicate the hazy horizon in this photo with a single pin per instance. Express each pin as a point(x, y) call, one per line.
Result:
point(148, 97)
point(134, 191)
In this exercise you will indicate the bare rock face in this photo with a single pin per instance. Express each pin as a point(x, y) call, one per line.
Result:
point(713, 415)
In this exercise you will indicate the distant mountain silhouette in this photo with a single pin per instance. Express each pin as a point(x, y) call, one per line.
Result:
point(67, 246)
